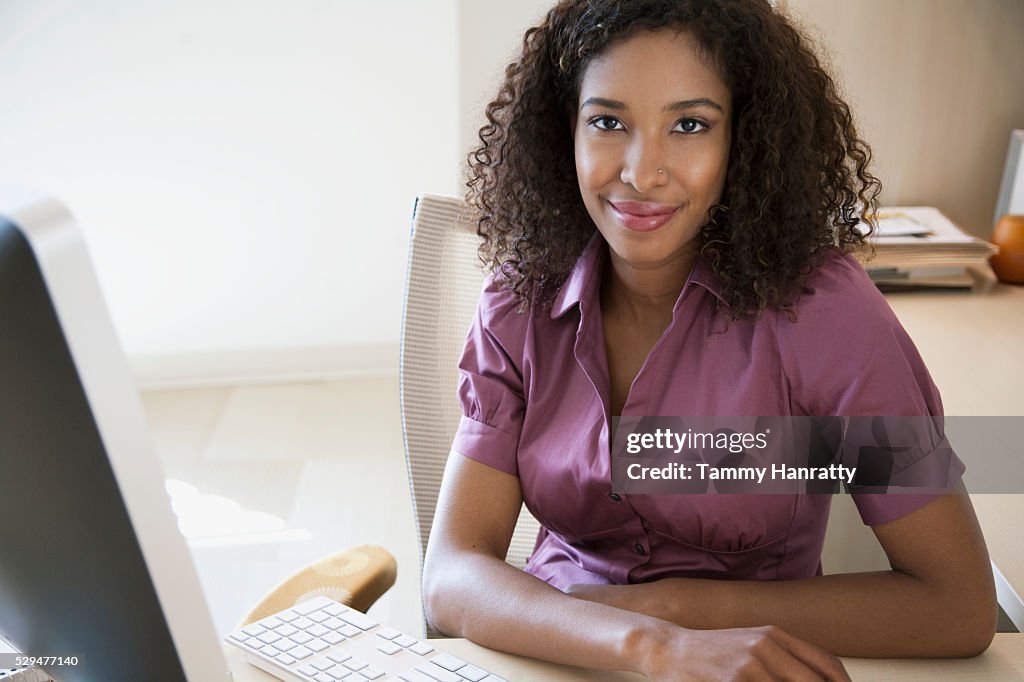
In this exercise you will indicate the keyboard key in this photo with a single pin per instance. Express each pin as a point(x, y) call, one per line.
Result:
point(356, 677)
point(335, 609)
point(472, 673)
point(333, 638)
point(285, 659)
point(300, 637)
point(371, 673)
point(415, 676)
point(388, 633)
point(317, 630)
point(286, 630)
point(302, 623)
point(404, 641)
point(338, 657)
point(390, 648)
point(285, 644)
point(333, 623)
point(318, 616)
point(322, 664)
point(254, 643)
point(269, 637)
point(354, 664)
point(254, 629)
point(317, 645)
point(271, 623)
point(421, 648)
point(311, 605)
point(270, 652)
point(438, 673)
point(239, 636)
point(448, 662)
point(300, 652)
point(323, 677)
point(350, 631)
point(287, 616)
point(340, 673)
point(360, 620)
point(308, 671)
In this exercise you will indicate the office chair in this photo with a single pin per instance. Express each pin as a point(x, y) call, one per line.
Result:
point(442, 286)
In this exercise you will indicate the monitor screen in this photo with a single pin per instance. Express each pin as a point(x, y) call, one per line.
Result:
point(1011, 190)
point(74, 581)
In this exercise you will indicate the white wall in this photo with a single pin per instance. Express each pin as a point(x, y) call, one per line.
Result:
point(244, 170)
point(937, 88)
point(490, 36)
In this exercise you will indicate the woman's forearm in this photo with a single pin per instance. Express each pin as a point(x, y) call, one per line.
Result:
point(883, 614)
point(498, 606)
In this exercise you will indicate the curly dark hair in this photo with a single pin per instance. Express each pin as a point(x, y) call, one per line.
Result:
point(797, 182)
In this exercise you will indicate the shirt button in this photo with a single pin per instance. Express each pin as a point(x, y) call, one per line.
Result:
point(615, 497)
point(639, 549)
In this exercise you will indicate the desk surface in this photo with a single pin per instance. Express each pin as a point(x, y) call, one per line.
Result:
point(1004, 660)
point(972, 345)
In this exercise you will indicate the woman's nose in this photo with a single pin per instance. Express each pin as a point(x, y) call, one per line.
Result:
point(644, 165)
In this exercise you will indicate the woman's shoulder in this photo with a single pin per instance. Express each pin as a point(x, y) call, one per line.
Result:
point(845, 352)
point(839, 314)
point(501, 315)
point(839, 292)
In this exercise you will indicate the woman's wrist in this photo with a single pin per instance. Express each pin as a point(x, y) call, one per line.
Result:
point(642, 644)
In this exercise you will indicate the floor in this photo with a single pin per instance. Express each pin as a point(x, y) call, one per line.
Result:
point(267, 479)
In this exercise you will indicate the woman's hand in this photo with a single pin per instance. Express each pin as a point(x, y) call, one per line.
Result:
point(748, 654)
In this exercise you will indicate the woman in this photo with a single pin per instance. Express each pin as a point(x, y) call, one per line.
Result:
point(668, 191)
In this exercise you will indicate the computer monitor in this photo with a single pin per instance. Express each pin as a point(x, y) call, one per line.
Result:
point(92, 564)
point(1011, 190)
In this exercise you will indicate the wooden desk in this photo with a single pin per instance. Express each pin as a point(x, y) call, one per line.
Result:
point(1003, 661)
point(972, 346)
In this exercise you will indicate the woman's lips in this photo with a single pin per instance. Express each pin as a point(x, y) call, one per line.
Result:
point(642, 216)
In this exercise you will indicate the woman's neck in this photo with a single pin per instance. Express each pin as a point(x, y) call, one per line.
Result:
point(644, 294)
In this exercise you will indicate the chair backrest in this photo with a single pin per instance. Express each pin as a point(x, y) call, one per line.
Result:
point(442, 286)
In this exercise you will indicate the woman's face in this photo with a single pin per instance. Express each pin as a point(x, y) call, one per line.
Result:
point(652, 134)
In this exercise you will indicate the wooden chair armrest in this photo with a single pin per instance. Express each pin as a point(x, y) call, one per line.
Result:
point(356, 576)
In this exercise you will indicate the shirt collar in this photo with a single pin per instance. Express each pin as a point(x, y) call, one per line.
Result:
point(585, 279)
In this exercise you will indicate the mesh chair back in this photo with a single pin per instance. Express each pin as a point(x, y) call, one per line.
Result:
point(442, 287)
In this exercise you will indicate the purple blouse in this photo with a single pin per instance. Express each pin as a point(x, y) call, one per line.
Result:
point(535, 394)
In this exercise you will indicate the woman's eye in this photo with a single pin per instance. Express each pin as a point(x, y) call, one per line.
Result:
point(691, 125)
point(606, 123)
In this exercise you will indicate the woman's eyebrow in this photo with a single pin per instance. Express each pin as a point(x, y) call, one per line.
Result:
point(675, 106)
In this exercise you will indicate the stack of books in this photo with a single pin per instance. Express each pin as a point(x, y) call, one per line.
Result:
point(917, 247)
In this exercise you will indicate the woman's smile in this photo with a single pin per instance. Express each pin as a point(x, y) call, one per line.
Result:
point(642, 216)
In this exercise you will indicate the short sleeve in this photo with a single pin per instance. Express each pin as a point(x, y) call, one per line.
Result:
point(490, 387)
point(846, 354)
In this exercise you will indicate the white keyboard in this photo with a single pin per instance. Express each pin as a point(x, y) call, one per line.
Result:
point(324, 641)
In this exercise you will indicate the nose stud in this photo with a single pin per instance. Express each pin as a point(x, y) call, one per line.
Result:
point(660, 171)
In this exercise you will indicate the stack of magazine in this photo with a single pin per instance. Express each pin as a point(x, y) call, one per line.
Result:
point(917, 247)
